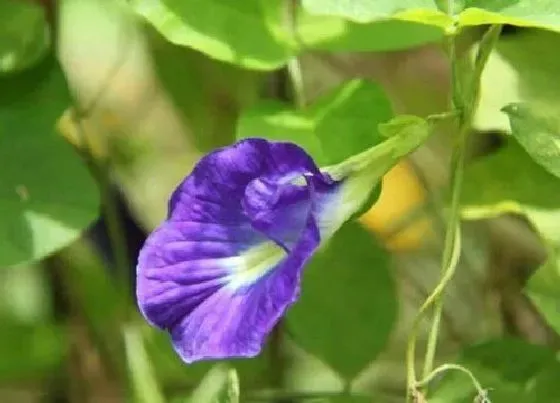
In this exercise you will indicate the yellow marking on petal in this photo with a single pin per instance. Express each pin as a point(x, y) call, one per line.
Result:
point(254, 263)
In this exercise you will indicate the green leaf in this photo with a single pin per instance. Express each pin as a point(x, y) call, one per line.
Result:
point(508, 181)
point(348, 304)
point(516, 360)
point(530, 82)
point(200, 99)
point(337, 34)
point(46, 193)
point(543, 289)
point(538, 133)
point(276, 121)
point(504, 366)
point(29, 350)
point(521, 70)
point(366, 10)
point(24, 35)
point(546, 388)
point(524, 13)
point(338, 125)
point(346, 120)
point(247, 33)
point(515, 75)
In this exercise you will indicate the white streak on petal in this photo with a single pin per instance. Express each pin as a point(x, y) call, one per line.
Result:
point(336, 208)
point(253, 264)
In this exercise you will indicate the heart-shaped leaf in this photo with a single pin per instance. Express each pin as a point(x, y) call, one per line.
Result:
point(47, 195)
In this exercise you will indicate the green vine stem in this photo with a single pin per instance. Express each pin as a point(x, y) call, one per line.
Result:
point(296, 77)
point(465, 100)
point(450, 367)
point(432, 298)
point(293, 67)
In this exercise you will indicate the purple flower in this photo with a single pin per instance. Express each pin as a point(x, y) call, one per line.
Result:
point(226, 264)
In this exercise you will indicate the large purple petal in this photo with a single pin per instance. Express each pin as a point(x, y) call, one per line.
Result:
point(226, 264)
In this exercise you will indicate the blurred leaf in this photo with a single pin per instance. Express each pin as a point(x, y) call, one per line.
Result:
point(538, 134)
point(543, 289)
point(525, 72)
point(366, 10)
point(29, 350)
point(537, 68)
point(144, 383)
point(346, 119)
point(279, 122)
point(207, 93)
point(24, 35)
point(46, 193)
point(508, 181)
point(246, 33)
point(516, 360)
point(204, 29)
point(348, 304)
point(521, 70)
point(504, 366)
point(546, 388)
point(524, 13)
point(338, 125)
point(339, 35)
point(461, 390)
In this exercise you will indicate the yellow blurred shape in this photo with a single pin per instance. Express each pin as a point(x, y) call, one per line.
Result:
point(401, 194)
point(91, 137)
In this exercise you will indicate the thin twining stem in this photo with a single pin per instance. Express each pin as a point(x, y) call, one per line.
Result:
point(465, 102)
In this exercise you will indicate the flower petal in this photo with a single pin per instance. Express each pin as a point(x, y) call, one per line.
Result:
point(233, 322)
point(225, 265)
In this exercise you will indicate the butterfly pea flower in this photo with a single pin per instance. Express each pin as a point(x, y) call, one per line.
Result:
point(226, 264)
